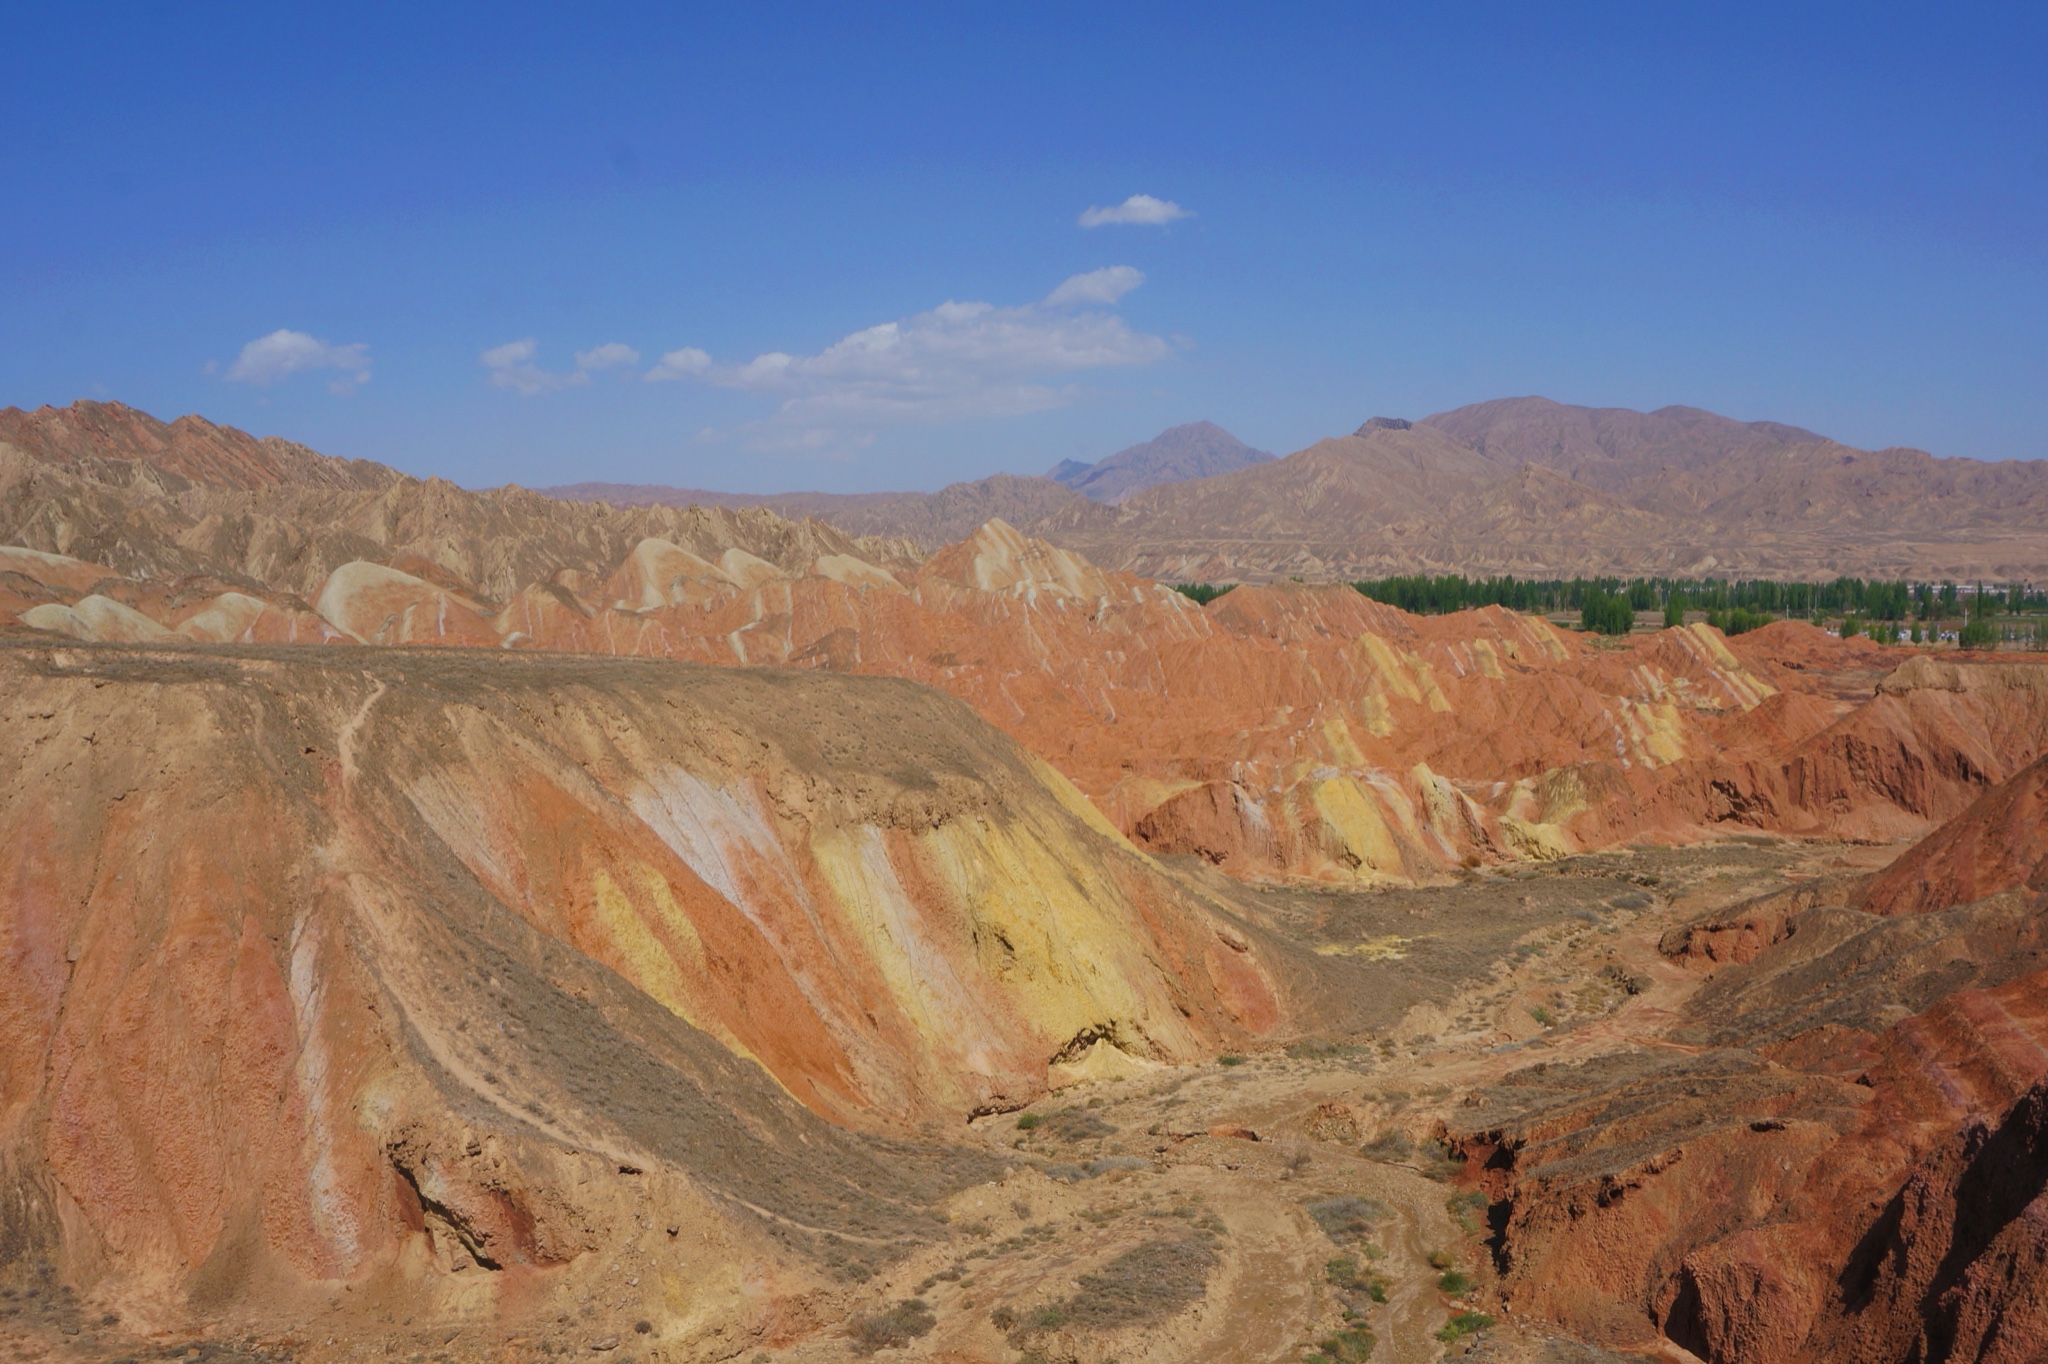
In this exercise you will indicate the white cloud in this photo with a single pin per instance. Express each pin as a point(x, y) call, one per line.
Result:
point(1106, 285)
point(511, 366)
point(1139, 210)
point(960, 360)
point(611, 353)
point(679, 364)
point(283, 353)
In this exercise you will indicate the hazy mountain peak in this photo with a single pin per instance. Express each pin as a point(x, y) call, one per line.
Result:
point(1194, 450)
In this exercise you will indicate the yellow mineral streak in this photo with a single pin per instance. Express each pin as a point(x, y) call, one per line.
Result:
point(853, 572)
point(1403, 674)
point(1377, 715)
point(916, 968)
point(1749, 691)
point(1656, 731)
point(639, 955)
point(669, 969)
point(1342, 746)
point(230, 614)
point(1444, 807)
point(1533, 841)
point(1358, 826)
point(96, 618)
point(1385, 948)
point(1102, 1061)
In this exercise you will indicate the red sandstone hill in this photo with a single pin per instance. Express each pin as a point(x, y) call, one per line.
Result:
point(191, 448)
point(1999, 843)
point(1845, 1155)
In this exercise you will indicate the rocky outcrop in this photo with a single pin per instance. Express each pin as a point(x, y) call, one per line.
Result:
point(1956, 1266)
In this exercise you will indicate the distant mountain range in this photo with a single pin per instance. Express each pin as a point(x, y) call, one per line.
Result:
point(1179, 453)
point(1517, 485)
point(1520, 485)
point(1196, 450)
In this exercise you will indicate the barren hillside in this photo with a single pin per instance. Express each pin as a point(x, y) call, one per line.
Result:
point(477, 926)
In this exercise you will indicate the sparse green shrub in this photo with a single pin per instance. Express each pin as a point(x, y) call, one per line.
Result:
point(1390, 1146)
point(1047, 1319)
point(1543, 1016)
point(1455, 1282)
point(1230, 1059)
point(1076, 1124)
point(1345, 1276)
point(1462, 1325)
point(1027, 1121)
point(1352, 1345)
point(1146, 1283)
point(1466, 1207)
point(1346, 1218)
point(1438, 1259)
point(893, 1329)
point(1322, 1048)
point(1444, 1163)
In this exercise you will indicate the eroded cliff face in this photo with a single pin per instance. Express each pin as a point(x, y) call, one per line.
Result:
point(1841, 1156)
point(327, 969)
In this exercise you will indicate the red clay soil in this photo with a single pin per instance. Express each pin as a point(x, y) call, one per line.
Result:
point(1846, 1160)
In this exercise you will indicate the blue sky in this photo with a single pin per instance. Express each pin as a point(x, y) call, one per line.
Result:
point(858, 238)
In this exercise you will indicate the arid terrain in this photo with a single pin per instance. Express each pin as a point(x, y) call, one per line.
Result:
point(444, 925)
point(1519, 485)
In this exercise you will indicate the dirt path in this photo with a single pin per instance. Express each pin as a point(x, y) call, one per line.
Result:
point(1270, 1300)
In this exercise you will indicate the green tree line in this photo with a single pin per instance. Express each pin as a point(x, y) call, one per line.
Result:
point(1982, 614)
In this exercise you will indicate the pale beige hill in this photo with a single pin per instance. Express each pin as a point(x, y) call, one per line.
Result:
point(183, 499)
point(928, 520)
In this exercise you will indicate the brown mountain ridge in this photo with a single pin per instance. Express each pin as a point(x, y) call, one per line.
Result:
point(1516, 485)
